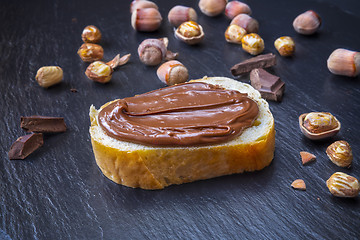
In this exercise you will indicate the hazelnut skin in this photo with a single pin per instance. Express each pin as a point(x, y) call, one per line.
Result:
point(344, 62)
point(307, 23)
point(212, 8)
point(179, 14)
point(146, 19)
point(235, 8)
point(250, 24)
point(172, 72)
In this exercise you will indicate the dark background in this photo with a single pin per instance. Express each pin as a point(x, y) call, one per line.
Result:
point(58, 192)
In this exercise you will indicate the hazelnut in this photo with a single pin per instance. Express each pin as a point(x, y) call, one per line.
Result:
point(340, 153)
point(153, 51)
point(285, 46)
point(319, 125)
point(99, 72)
point(179, 14)
point(307, 23)
point(343, 185)
point(235, 8)
point(49, 75)
point(212, 8)
point(90, 52)
point(137, 4)
point(234, 34)
point(250, 24)
point(253, 44)
point(190, 32)
point(146, 19)
point(344, 62)
point(91, 34)
point(172, 72)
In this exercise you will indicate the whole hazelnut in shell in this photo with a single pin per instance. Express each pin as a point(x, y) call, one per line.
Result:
point(172, 72)
point(153, 51)
point(212, 8)
point(146, 19)
point(250, 24)
point(137, 4)
point(344, 62)
point(179, 14)
point(307, 23)
point(235, 8)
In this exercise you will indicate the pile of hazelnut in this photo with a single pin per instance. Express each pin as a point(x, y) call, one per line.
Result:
point(322, 125)
point(92, 52)
point(243, 30)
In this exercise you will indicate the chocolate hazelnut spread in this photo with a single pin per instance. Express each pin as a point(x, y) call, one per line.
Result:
point(181, 115)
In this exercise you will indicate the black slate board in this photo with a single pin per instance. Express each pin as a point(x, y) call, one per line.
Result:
point(59, 193)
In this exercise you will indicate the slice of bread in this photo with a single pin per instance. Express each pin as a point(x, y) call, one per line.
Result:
point(147, 167)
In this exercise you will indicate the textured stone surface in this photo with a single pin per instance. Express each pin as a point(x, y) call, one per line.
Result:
point(59, 193)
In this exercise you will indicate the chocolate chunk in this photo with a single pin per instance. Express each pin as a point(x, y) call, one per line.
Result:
point(25, 145)
point(260, 61)
point(43, 124)
point(270, 86)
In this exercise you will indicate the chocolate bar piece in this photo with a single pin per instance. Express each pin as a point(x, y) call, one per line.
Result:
point(43, 124)
point(25, 145)
point(260, 61)
point(270, 86)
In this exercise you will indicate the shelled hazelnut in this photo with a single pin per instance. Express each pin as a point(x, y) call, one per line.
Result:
point(285, 46)
point(137, 4)
point(235, 8)
point(91, 34)
point(250, 24)
point(319, 125)
point(190, 32)
point(234, 34)
point(307, 23)
point(99, 71)
point(343, 185)
point(212, 8)
point(253, 44)
point(172, 72)
point(146, 19)
point(179, 14)
point(49, 75)
point(340, 153)
point(90, 52)
point(344, 62)
point(153, 51)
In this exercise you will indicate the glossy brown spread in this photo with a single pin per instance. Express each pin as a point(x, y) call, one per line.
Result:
point(180, 115)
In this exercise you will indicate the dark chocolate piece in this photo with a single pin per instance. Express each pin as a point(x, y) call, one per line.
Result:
point(260, 61)
point(270, 86)
point(43, 124)
point(25, 145)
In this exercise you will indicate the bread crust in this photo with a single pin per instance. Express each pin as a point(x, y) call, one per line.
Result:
point(158, 167)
